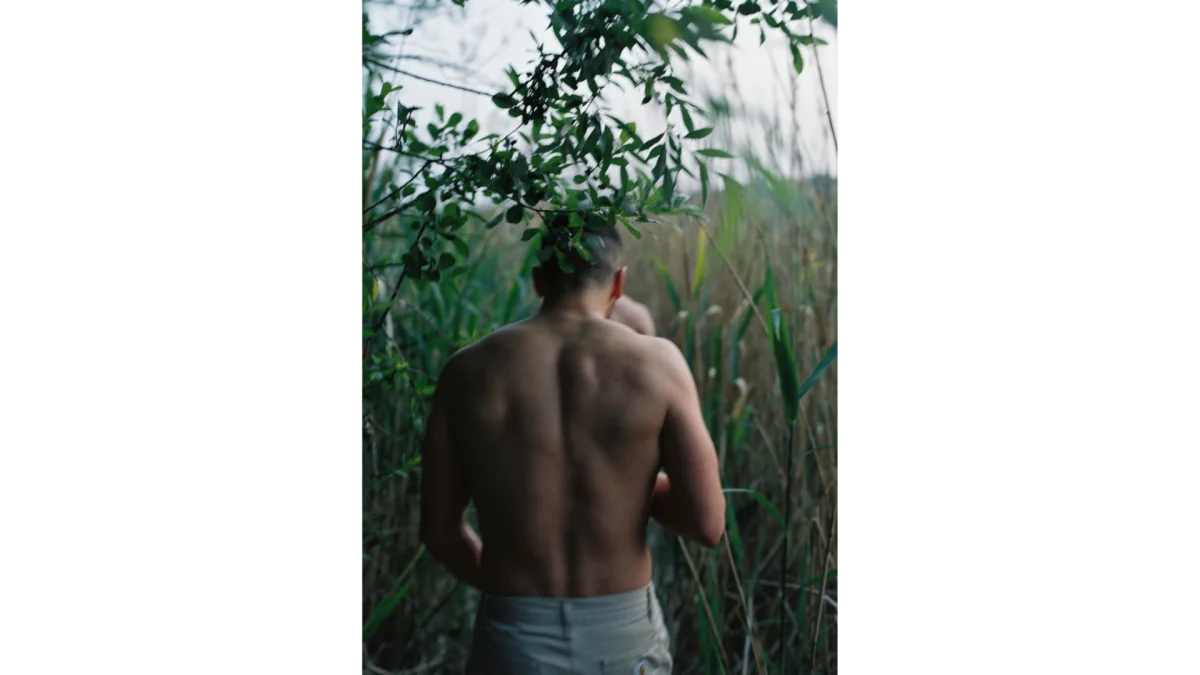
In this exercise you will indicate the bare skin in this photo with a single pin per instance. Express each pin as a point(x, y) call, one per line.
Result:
point(633, 314)
point(557, 427)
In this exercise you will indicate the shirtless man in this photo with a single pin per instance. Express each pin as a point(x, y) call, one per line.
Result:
point(557, 427)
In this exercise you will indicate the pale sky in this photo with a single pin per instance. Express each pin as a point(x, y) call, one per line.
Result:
point(488, 35)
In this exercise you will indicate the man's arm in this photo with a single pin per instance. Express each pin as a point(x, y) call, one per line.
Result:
point(444, 497)
point(687, 500)
point(633, 314)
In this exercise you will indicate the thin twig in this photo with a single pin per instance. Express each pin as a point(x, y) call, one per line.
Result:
point(824, 586)
point(771, 452)
point(396, 191)
point(421, 668)
point(370, 225)
point(447, 163)
point(391, 302)
point(787, 525)
point(431, 60)
point(427, 79)
point(821, 77)
point(712, 623)
point(736, 277)
point(745, 608)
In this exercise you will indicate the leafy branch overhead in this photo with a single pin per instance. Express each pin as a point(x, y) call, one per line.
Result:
point(565, 153)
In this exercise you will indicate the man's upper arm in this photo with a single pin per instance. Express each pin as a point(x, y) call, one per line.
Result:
point(444, 494)
point(635, 315)
point(688, 455)
point(643, 320)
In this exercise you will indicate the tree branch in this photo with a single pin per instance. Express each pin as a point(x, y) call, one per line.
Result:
point(446, 163)
point(426, 79)
point(399, 282)
point(396, 191)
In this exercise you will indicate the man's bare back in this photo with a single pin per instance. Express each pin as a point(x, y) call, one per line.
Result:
point(557, 427)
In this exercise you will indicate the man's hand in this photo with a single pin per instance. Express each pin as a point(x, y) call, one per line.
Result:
point(444, 529)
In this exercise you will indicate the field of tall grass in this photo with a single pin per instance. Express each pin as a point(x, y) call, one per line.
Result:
point(762, 262)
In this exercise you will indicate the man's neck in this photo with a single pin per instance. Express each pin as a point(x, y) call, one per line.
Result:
point(593, 305)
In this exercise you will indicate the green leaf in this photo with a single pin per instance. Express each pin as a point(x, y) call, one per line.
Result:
point(797, 60)
point(445, 260)
point(826, 360)
point(441, 112)
point(494, 221)
point(461, 247)
point(713, 152)
point(826, 10)
point(702, 250)
point(672, 292)
point(661, 30)
point(563, 263)
point(471, 130)
point(703, 183)
point(389, 604)
point(504, 101)
point(749, 7)
point(701, 13)
point(731, 184)
point(676, 84)
point(454, 120)
point(515, 214)
point(632, 230)
point(529, 234)
point(816, 580)
point(687, 119)
point(762, 499)
point(785, 363)
point(427, 201)
point(700, 133)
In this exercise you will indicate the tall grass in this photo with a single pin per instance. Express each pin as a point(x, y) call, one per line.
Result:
point(749, 294)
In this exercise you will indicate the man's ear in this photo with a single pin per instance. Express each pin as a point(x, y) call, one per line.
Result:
point(539, 284)
point(618, 284)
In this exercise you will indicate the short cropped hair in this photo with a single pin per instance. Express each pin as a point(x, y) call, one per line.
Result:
point(601, 255)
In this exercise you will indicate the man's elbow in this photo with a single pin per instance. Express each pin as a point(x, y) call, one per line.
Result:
point(434, 538)
point(712, 529)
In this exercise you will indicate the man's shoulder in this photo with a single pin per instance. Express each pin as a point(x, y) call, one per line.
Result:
point(482, 344)
point(634, 314)
point(655, 353)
